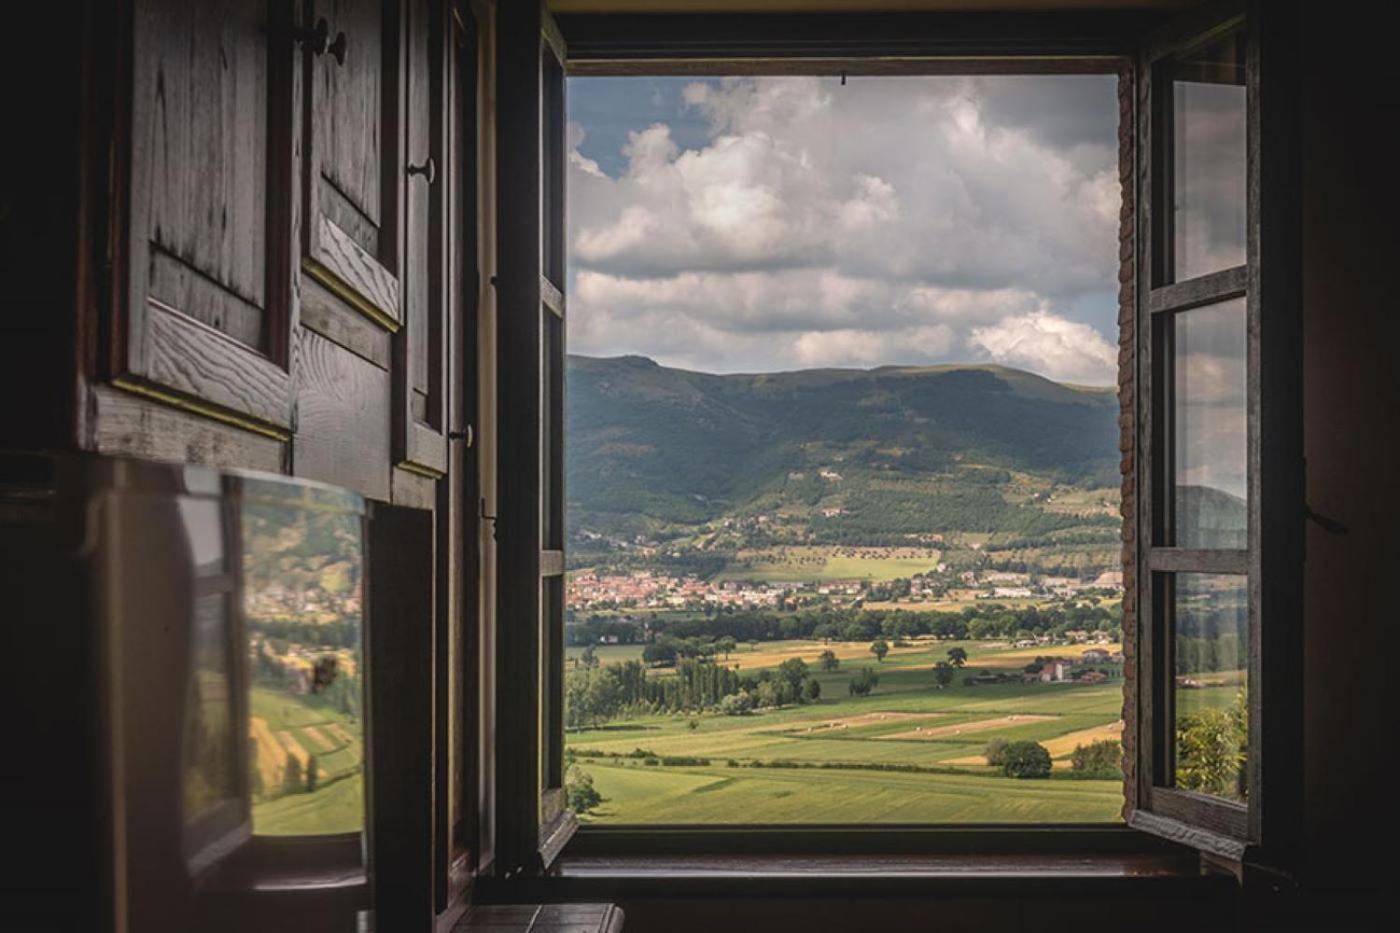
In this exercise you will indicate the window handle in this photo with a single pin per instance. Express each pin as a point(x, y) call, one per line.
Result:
point(1330, 525)
point(428, 170)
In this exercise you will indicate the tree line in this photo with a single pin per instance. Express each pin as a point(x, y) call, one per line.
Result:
point(844, 624)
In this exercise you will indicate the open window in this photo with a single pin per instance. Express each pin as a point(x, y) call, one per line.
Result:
point(1210, 393)
point(534, 823)
point(1219, 455)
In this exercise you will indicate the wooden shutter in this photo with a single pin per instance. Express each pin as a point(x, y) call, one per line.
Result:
point(202, 299)
point(1220, 523)
point(533, 823)
point(351, 228)
point(420, 366)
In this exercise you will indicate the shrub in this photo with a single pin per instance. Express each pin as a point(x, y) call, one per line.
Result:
point(737, 704)
point(1026, 760)
point(864, 682)
point(1102, 757)
point(995, 752)
point(580, 792)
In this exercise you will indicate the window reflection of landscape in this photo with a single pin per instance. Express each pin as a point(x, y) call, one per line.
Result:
point(303, 558)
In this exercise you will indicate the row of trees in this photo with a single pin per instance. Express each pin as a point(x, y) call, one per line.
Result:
point(851, 624)
point(595, 694)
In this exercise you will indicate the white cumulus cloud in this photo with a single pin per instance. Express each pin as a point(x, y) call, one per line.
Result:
point(1053, 346)
point(892, 220)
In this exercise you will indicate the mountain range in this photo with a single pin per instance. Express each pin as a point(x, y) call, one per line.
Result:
point(896, 449)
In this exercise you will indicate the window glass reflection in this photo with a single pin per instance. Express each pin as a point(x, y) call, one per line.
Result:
point(1209, 159)
point(1210, 427)
point(209, 753)
point(1212, 683)
point(302, 598)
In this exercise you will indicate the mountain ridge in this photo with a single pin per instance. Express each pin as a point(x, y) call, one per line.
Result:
point(670, 445)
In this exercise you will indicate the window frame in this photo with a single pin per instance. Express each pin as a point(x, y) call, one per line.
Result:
point(1262, 831)
point(865, 44)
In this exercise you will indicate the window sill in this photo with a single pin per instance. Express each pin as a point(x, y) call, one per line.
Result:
point(627, 877)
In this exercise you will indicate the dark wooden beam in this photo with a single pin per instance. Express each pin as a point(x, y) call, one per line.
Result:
point(599, 42)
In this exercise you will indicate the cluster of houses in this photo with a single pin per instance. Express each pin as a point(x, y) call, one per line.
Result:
point(303, 603)
point(1079, 670)
point(644, 589)
point(1005, 584)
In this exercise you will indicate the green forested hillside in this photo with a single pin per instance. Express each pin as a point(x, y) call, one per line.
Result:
point(852, 456)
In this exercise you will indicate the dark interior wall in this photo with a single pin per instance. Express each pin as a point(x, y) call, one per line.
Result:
point(1351, 417)
point(38, 212)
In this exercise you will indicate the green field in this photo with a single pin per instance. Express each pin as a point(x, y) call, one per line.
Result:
point(281, 721)
point(905, 723)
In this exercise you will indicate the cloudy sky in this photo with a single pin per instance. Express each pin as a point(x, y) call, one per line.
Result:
point(768, 224)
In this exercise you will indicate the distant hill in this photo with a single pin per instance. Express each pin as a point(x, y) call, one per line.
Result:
point(893, 449)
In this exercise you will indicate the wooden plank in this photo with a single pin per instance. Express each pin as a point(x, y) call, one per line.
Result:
point(201, 136)
point(413, 490)
point(188, 356)
point(350, 131)
point(128, 425)
point(1212, 814)
point(551, 297)
point(346, 215)
point(1202, 290)
point(328, 316)
point(176, 284)
point(357, 277)
point(518, 543)
point(416, 282)
point(420, 440)
point(342, 418)
point(1187, 834)
point(954, 66)
point(425, 450)
point(554, 836)
point(551, 563)
point(1279, 495)
point(758, 36)
point(1191, 560)
point(399, 596)
point(544, 918)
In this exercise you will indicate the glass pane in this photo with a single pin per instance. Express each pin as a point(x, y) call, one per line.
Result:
point(209, 752)
point(1209, 162)
point(303, 562)
point(1209, 412)
point(1212, 683)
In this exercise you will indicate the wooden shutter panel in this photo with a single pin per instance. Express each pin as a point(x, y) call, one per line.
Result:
point(532, 826)
point(203, 311)
point(420, 415)
point(352, 226)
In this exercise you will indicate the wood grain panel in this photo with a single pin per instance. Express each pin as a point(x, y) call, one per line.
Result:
point(416, 267)
point(128, 425)
point(413, 490)
point(173, 282)
point(371, 287)
point(192, 357)
point(201, 97)
point(349, 115)
point(331, 318)
point(342, 418)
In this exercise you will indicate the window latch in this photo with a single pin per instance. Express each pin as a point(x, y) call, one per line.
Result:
point(488, 518)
